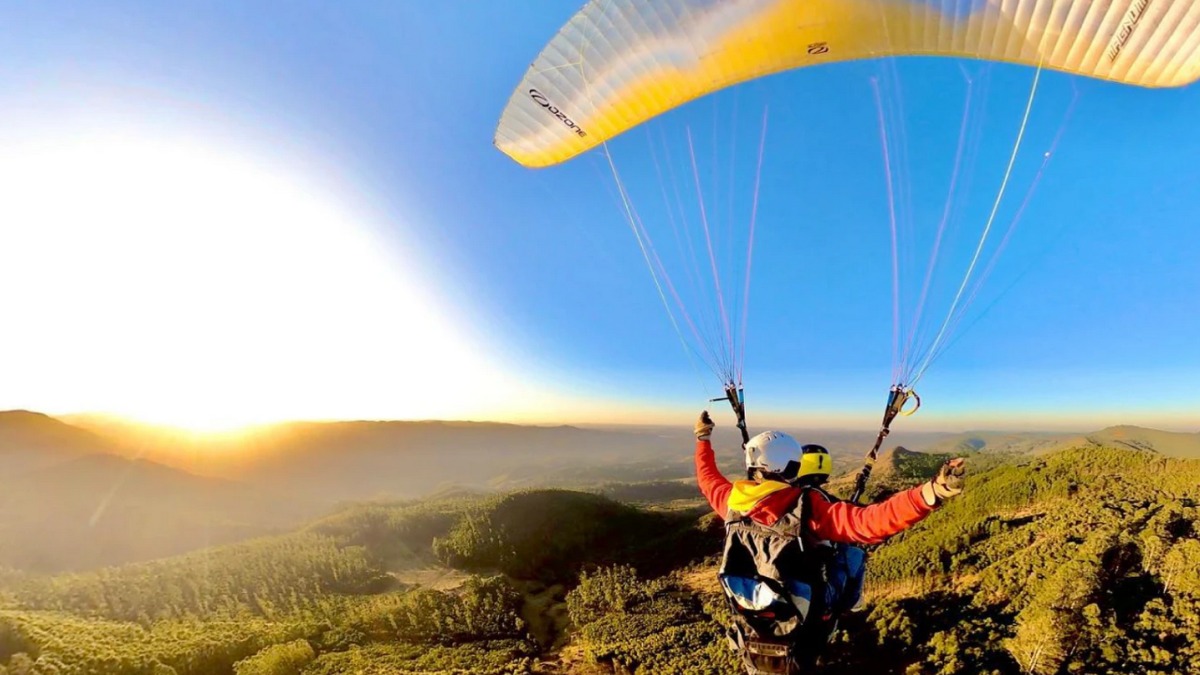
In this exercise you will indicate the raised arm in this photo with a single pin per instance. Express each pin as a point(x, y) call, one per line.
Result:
point(850, 523)
point(713, 484)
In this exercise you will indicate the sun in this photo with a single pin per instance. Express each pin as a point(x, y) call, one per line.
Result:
point(179, 282)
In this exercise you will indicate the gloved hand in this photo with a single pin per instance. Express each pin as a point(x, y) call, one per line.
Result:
point(704, 426)
point(946, 484)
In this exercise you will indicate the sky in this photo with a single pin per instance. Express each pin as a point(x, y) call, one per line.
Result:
point(214, 214)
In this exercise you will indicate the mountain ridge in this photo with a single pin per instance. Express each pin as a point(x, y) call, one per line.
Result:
point(32, 440)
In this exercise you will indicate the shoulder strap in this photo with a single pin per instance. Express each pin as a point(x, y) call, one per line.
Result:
point(828, 497)
point(805, 510)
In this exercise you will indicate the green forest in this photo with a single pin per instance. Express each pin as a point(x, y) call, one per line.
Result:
point(1084, 560)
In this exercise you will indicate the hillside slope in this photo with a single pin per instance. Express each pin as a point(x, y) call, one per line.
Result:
point(98, 510)
point(1083, 561)
point(30, 440)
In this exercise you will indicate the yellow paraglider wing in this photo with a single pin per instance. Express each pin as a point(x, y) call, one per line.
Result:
point(618, 63)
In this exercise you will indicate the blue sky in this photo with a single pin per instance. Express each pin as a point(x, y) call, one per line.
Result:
point(396, 103)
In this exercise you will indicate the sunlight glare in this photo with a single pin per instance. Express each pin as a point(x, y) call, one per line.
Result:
point(175, 282)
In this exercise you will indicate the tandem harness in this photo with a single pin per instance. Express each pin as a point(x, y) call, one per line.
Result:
point(785, 589)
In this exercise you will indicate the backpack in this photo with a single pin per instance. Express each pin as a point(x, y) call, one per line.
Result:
point(786, 589)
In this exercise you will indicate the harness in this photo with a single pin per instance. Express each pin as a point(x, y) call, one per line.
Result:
point(785, 589)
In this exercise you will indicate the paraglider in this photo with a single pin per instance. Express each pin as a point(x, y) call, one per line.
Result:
point(619, 63)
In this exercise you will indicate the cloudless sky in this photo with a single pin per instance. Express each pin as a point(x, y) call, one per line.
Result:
point(386, 110)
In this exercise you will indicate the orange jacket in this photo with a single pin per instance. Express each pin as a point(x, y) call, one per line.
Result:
point(842, 522)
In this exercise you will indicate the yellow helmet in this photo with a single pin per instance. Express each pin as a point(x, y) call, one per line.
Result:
point(814, 461)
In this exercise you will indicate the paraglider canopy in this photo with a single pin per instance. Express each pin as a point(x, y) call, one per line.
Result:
point(618, 63)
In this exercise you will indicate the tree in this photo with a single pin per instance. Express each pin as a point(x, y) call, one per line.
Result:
point(282, 659)
point(20, 664)
point(1050, 629)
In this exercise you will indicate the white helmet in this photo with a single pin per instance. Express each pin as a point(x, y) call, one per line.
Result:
point(778, 453)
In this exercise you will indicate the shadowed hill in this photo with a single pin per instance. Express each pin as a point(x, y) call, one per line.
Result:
point(100, 510)
point(551, 535)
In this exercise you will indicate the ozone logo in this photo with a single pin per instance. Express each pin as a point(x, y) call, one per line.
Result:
point(1126, 30)
point(540, 99)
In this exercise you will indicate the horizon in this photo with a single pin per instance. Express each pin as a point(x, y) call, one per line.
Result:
point(585, 425)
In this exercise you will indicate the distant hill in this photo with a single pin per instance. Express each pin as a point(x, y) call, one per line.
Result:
point(345, 460)
point(102, 491)
point(895, 469)
point(98, 510)
point(333, 461)
point(1167, 443)
point(999, 441)
point(30, 440)
point(905, 466)
point(336, 461)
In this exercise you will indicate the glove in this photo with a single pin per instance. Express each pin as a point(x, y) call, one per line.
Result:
point(946, 484)
point(704, 427)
